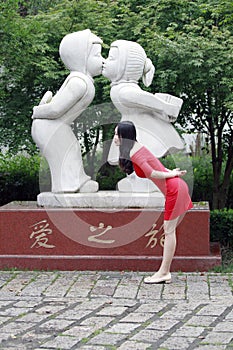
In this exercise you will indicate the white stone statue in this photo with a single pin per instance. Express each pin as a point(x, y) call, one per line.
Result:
point(152, 114)
point(52, 119)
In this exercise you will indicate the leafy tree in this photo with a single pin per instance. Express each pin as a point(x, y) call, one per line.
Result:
point(30, 62)
point(29, 65)
point(189, 42)
point(192, 43)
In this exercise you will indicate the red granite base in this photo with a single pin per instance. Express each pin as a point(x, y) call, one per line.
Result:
point(88, 239)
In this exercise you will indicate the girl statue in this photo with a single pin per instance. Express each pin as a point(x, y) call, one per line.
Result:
point(52, 118)
point(152, 114)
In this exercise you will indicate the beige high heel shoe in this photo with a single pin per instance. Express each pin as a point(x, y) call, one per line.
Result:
point(153, 279)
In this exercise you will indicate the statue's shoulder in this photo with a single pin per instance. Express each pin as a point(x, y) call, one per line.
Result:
point(79, 75)
point(79, 79)
point(124, 90)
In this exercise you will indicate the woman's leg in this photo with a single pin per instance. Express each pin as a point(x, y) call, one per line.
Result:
point(163, 274)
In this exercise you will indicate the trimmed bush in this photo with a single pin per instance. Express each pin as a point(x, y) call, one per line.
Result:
point(221, 227)
point(19, 178)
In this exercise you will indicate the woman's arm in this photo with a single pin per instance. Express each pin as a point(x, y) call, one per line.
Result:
point(167, 175)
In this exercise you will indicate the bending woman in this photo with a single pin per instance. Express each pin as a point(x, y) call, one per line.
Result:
point(136, 157)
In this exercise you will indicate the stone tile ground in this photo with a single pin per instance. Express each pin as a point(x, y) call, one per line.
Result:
point(93, 310)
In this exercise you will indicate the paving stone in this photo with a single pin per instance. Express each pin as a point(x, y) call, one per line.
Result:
point(40, 283)
point(61, 342)
point(32, 317)
point(137, 317)
point(61, 284)
point(92, 347)
point(162, 324)
point(151, 335)
point(218, 338)
point(224, 326)
point(150, 292)
point(15, 311)
point(35, 336)
point(175, 291)
point(105, 338)
point(50, 308)
point(79, 332)
point(97, 322)
point(14, 328)
point(112, 310)
point(180, 343)
point(212, 309)
point(133, 345)
point(123, 328)
point(202, 321)
point(211, 347)
point(104, 287)
point(92, 304)
point(74, 314)
point(83, 286)
point(152, 307)
point(55, 324)
point(188, 331)
point(104, 310)
point(128, 288)
point(123, 302)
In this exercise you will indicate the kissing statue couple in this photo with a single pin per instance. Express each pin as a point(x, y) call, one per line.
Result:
point(152, 114)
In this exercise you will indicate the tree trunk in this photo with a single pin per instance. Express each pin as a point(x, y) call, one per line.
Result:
point(219, 198)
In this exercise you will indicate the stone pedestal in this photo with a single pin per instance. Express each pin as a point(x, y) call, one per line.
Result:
point(101, 199)
point(34, 237)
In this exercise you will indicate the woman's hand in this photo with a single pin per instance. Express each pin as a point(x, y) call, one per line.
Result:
point(178, 172)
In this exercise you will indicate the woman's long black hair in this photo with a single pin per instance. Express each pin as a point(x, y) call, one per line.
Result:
point(126, 132)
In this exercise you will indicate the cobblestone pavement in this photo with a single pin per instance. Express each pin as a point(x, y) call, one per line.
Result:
point(114, 310)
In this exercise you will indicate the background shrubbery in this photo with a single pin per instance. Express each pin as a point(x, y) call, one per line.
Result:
point(23, 177)
point(221, 228)
point(19, 178)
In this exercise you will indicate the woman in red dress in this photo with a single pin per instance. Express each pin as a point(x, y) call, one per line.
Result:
point(136, 157)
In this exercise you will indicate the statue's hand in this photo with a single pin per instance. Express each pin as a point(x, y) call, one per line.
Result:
point(172, 118)
point(46, 98)
point(34, 112)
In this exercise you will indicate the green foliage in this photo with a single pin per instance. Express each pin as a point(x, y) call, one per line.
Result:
point(19, 178)
point(189, 42)
point(191, 46)
point(108, 176)
point(221, 227)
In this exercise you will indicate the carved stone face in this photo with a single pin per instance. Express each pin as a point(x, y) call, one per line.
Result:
point(125, 62)
point(95, 60)
point(77, 48)
point(111, 64)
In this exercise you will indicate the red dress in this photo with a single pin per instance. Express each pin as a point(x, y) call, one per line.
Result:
point(175, 190)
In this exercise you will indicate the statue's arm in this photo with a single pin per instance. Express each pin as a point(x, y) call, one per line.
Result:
point(62, 101)
point(132, 97)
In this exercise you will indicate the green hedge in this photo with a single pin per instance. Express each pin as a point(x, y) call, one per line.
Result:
point(19, 178)
point(19, 181)
point(221, 227)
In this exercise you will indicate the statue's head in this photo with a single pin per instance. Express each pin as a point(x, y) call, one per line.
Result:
point(81, 51)
point(127, 61)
